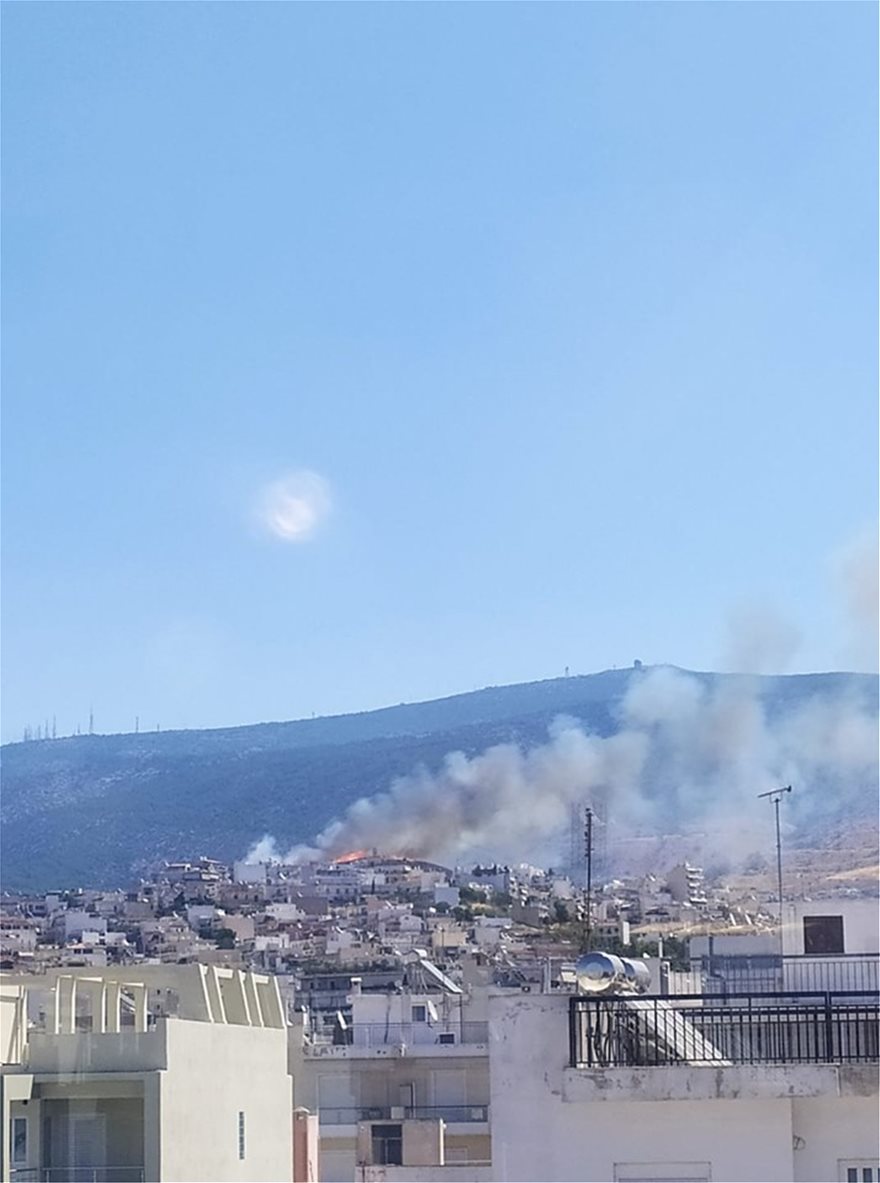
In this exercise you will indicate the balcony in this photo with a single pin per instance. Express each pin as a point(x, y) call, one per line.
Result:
point(739, 1029)
point(78, 1174)
point(451, 1114)
point(772, 972)
point(451, 1172)
point(400, 1039)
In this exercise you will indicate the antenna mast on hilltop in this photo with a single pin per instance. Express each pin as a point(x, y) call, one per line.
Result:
point(775, 795)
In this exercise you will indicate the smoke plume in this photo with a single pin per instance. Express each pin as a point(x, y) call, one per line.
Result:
point(687, 753)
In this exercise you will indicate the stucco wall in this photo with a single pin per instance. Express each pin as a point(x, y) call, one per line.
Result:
point(214, 1072)
point(545, 1125)
point(824, 1131)
point(861, 923)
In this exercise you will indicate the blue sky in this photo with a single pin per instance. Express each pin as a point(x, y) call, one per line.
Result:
point(566, 312)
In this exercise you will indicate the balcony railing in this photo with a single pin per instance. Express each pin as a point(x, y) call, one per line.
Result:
point(772, 973)
point(77, 1174)
point(448, 1113)
point(375, 1035)
point(805, 1028)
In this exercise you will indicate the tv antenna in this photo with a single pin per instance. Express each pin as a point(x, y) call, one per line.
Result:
point(775, 795)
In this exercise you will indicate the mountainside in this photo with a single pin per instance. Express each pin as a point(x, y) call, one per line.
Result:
point(97, 809)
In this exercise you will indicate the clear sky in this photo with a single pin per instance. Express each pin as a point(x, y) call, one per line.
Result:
point(357, 354)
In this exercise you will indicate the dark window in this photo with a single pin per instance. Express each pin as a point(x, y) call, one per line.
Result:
point(823, 934)
point(388, 1145)
point(19, 1141)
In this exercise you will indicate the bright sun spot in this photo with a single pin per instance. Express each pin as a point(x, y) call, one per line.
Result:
point(293, 507)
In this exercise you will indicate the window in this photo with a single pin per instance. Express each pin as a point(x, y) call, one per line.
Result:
point(18, 1140)
point(241, 1143)
point(823, 934)
point(859, 1170)
point(388, 1145)
point(420, 1014)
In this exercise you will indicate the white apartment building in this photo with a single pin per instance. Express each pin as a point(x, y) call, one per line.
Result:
point(144, 1074)
point(588, 1088)
point(402, 1092)
point(826, 944)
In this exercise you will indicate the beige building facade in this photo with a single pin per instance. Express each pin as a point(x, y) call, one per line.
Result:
point(178, 1075)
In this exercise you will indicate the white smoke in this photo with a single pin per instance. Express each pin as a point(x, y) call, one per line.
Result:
point(687, 753)
point(857, 570)
point(760, 640)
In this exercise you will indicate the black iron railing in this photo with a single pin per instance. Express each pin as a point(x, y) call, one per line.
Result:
point(783, 1028)
point(351, 1115)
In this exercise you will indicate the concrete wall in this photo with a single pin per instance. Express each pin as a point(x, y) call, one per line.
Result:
point(824, 1132)
point(214, 1073)
point(554, 1123)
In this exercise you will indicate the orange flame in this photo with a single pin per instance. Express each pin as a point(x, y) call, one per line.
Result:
point(352, 856)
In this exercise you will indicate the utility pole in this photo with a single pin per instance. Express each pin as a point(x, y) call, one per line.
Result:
point(775, 795)
point(588, 851)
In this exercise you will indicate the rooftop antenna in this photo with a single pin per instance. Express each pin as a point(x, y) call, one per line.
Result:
point(775, 795)
point(54, 729)
point(137, 724)
point(91, 721)
point(588, 900)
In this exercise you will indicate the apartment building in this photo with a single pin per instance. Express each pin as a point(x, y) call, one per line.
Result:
point(402, 1090)
point(144, 1074)
point(756, 1088)
point(830, 944)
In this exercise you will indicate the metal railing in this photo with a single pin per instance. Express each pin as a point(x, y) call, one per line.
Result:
point(789, 1028)
point(78, 1174)
point(449, 1113)
point(770, 973)
point(429, 1034)
point(351, 1115)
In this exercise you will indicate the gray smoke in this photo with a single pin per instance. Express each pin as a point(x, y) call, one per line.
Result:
point(857, 568)
point(687, 753)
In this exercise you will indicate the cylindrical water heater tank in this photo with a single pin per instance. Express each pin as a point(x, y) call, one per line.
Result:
point(638, 976)
point(599, 973)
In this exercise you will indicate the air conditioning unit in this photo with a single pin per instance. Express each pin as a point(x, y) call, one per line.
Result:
point(398, 1113)
point(446, 1037)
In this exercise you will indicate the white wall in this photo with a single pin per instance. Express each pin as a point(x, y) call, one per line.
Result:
point(826, 1131)
point(861, 923)
point(544, 1126)
point(214, 1072)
